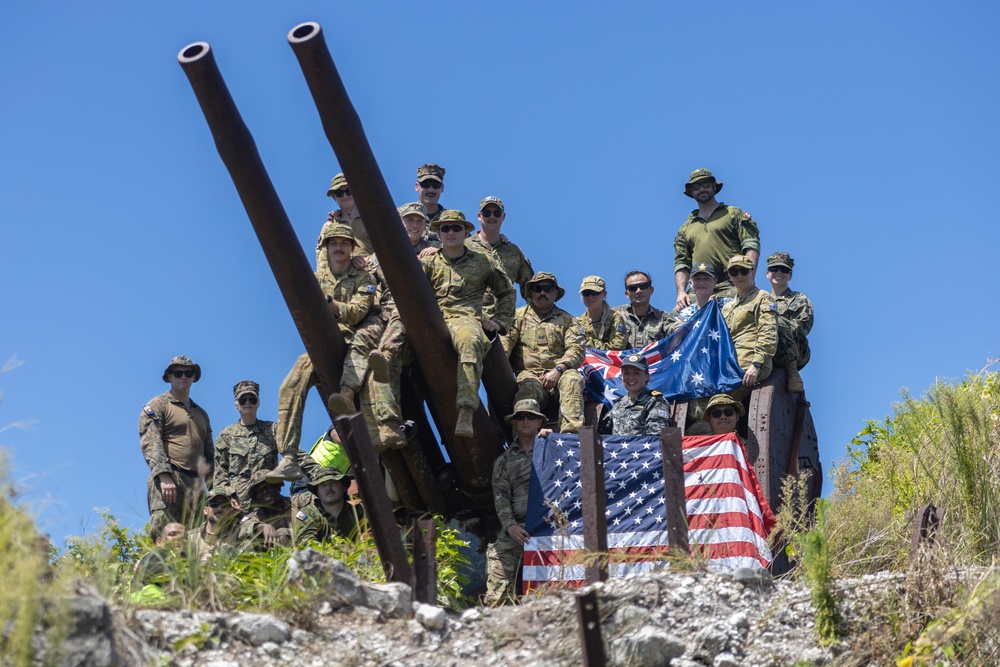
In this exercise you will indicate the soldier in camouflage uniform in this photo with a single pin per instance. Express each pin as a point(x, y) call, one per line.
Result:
point(324, 512)
point(702, 287)
point(350, 292)
point(712, 234)
point(489, 239)
point(644, 324)
point(176, 440)
point(795, 319)
point(752, 318)
point(511, 479)
point(545, 346)
point(429, 186)
point(218, 533)
point(245, 447)
point(722, 414)
point(348, 215)
point(268, 523)
point(603, 328)
point(641, 411)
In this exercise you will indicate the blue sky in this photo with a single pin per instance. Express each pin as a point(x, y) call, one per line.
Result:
point(861, 136)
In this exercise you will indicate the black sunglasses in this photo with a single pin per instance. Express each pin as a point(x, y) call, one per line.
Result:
point(738, 271)
point(491, 213)
point(342, 192)
point(721, 412)
point(430, 185)
point(520, 416)
point(183, 374)
point(451, 228)
point(779, 269)
point(590, 292)
point(540, 289)
point(247, 398)
point(635, 287)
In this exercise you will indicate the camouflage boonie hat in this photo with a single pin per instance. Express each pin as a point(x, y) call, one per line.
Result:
point(635, 361)
point(451, 216)
point(326, 474)
point(740, 260)
point(182, 361)
point(702, 267)
point(260, 477)
point(335, 229)
point(722, 400)
point(528, 405)
point(595, 283)
point(430, 170)
point(337, 183)
point(701, 175)
point(781, 259)
point(492, 199)
point(413, 208)
point(544, 276)
point(246, 387)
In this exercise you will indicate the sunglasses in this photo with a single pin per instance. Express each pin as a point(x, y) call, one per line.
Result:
point(343, 192)
point(702, 185)
point(521, 416)
point(451, 228)
point(590, 292)
point(543, 289)
point(247, 398)
point(216, 504)
point(721, 412)
point(779, 269)
point(491, 213)
point(635, 287)
point(430, 185)
point(738, 271)
point(183, 374)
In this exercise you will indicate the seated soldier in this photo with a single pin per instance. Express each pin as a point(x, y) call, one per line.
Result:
point(640, 411)
point(723, 413)
point(603, 327)
point(324, 511)
point(218, 533)
point(269, 521)
point(703, 285)
point(753, 324)
point(545, 346)
point(349, 215)
point(154, 568)
point(795, 320)
point(644, 323)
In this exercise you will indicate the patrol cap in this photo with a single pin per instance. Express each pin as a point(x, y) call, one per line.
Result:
point(334, 230)
point(430, 170)
point(701, 175)
point(338, 183)
point(181, 360)
point(451, 216)
point(492, 199)
point(545, 276)
point(781, 259)
point(595, 283)
point(217, 496)
point(246, 387)
point(413, 208)
point(740, 260)
point(702, 267)
point(722, 400)
point(326, 474)
point(635, 361)
point(528, 405)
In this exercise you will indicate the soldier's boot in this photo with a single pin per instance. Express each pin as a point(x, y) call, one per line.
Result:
point(379, 363)
point(463, 425)
point(794, 379)
point(287, 471)
point(342, 403)
point(390, 436)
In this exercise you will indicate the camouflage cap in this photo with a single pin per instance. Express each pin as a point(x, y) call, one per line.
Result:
point(217, 496)
point(492, 199)
point(260, 477)
point(545, 276)
point(337, 183)
point(246, 387)
point(701, 175)
point(635, 361)
point(326, 474)
point(528, 405)
point(702, 267)
point(722, 400)
point(413, 208)
point(430, 170)
point(595, 283)
point(182, 361)
point(335, 229)
point(449, 217)
point(781, 259)
point(740, 260)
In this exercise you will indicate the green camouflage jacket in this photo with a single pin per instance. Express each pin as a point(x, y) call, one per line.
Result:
point(537, 344)
point(511, 479)
point(753, 324)
point(647, 414)
point(795, 313)
point(608, 334)
point(459, 285)
point(514, 263)
point(240, 451)
point(312, 523)
point(354, 292)
point(641, 331)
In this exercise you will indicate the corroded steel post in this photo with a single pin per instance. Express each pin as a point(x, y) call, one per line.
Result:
point(595, 499)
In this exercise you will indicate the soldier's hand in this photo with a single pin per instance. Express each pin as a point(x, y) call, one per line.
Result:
point(334, 308)
point(235, 504)
point(270, 535)
point(544, 432)
point(168, 490)
point(427, 252)
point(359, 262)
point(504, 239)
point(331, 216)
point(490, 325)
point(518, 534)
point(750, 377)
point(683, 301)
point(551, 379)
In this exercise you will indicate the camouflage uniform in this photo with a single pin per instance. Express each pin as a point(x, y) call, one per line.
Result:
point(646, 414)
point(511, 479)
point(752, 322)
point(728, 231)
point(279, 517)
point(514, 263)
point(795, 321)
point(610, 333)
point(240, 451)
point(641, 331)
point(201, 546)
point(313, 523)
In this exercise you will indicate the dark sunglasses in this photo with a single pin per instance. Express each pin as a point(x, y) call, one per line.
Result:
point(702, 185)
point(779, 269)
point(543, 289)
point(738, 271)
point(247, 398)
point(590, 292)
point(521, 416)
point(451, 228)
point(343, 192)
point(183, 374)
point(721, 412)
point(491, 213)
point(635, 287)
point(430, 185)
point(216, 504)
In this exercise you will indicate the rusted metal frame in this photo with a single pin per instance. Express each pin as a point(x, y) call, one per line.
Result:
point(371, 486)
point(423, 536)
point(594, 499)
point(800, 420)
point(413, 406)
point(414, 298)
point(423, 477)
point(925, 528)
point(673, 488)
point(406, 486)
point(589, 618)
point(500, 384)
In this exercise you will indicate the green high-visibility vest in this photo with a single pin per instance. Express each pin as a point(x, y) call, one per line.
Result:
point(330, 454)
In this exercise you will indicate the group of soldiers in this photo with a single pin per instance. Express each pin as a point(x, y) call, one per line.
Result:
point(472, 275)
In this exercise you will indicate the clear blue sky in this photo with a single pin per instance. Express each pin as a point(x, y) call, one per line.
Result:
point(863, 137)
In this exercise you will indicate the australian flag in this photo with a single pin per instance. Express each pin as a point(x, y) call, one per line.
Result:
point(695, 361)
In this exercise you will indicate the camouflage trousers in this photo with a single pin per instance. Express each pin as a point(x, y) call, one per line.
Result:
point(503, 564)
point(187, 509)
point(569, 394)
point(791, 346)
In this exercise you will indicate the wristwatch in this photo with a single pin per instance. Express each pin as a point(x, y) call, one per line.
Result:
point(559, 367)
point(757, 365)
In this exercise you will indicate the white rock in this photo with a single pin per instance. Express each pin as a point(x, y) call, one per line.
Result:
point(270, 648)
point(470, 614)
point(392, 599)
point(431, 617)
point(649, 647)
point(256, 629)
point(725, 660)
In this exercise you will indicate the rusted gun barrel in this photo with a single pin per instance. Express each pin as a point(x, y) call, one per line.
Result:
point(414, 298)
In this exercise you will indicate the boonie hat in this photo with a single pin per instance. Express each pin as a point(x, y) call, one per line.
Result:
point(701, 175)
point(335, 229)
point(545, 276)
point(595, 283)
point(260, 477)
point(702, 267)
point(246, 387)
point(413, 208)
point(337, 183)
point(326, 474)
point(781, 259)
point(721, 400)
point(496, 201)
point(451, 216)
point(181, 360)
point(740, 260)
point(528, 405)
point(430, 170)
point(635, 361)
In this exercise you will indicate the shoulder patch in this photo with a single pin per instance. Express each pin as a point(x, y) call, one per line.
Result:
point(369, 287)
point(746, 215)
point(772, 305)
point(246, 517)
point(621, 327)
point(662, 413)
point(300, 515)
point(655, 393)
point(150, 412)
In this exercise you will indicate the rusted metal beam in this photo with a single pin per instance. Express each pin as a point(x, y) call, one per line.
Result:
point(414, 298)
point(594, 499)
point(673, 488)
point(925, 528)
point(371, 486)
point(589, 617)
point(423, 477)
point(423, 534)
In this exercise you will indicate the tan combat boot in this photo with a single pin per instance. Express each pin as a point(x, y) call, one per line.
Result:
point(390, 436)
point(463, 425)
point(287, 471)
point(794, 379)
point(342, 403)
point(379, 363)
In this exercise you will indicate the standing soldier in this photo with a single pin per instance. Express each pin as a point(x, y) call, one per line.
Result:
point(644, 323)
point(176, 440)
point(489, 239)
point(640, 411)
point(753, 324)
point(795, 320)
point(429, 186)
point(245, 447)
point(712, 234)
point(604, 328)
point(545, 346)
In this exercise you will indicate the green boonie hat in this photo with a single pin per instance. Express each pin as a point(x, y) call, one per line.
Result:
point(595, 283)
point(430, 170)
point(246, 387)
point(182, 361)
point(336, 229)
point(702, 267)
point(451, 216)
point(635, 361)
point(260, 477)
point(720, 400)
point(781, 259)
point(701, 175)
point(496, 201)
point(413, 208)
point(740, 260)
point(337, 183)
point(528, 405)
point(541, 277)
point(325, 474)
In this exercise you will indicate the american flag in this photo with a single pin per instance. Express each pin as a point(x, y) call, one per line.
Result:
point(697, 360)
point(728, 517)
